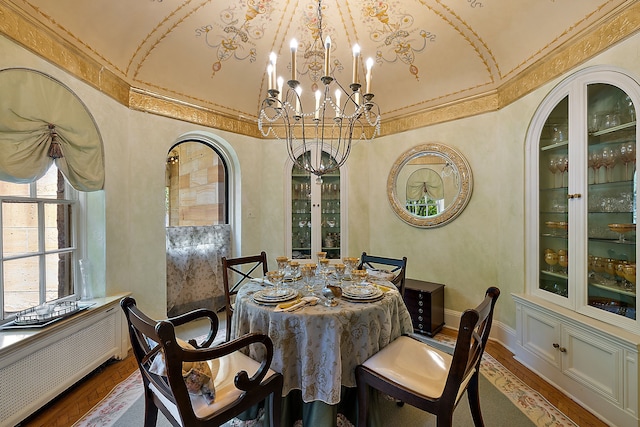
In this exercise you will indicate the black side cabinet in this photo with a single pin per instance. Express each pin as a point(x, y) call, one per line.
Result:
point(425, 301)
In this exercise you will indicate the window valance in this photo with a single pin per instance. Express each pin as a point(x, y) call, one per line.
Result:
point(42, 121)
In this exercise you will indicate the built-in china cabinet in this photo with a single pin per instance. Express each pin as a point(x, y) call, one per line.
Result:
point(316, 212)
point(577, 324)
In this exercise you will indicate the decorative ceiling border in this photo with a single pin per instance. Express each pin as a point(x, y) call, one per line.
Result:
point(18, 26)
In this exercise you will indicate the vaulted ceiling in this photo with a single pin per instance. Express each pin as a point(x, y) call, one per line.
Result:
point(429, 54)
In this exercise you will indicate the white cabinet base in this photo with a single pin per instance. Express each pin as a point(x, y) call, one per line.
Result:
point(37, 365)
point(594, 363)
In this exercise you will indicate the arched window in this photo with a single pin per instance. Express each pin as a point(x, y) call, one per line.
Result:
point(196, 185)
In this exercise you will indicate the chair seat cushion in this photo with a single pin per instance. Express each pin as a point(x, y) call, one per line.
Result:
point(226, 391)
point(414, 365)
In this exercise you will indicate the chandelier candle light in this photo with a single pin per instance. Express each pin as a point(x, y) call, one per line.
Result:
point(334, 122)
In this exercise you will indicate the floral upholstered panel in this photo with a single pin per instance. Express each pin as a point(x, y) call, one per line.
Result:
point(194, 267)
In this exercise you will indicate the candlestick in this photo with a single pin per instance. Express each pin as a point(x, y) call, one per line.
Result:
point(280, 84)
point(327, 49)
point(318, 94)
point(273, 58)
point(294, 47)
point(369, 66)
point(356, 54)
point(269, 76)
point(299, 92)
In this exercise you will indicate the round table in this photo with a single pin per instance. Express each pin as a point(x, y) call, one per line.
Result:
point(317, 347)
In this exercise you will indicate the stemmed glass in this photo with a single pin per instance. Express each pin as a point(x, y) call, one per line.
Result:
point(275, 277)
point(340, 268)
point(553, 167)
point(308, 272)
point(562, 166)
point(628, 155)
point(551, 258)
point(595, 162)
point(609, 159)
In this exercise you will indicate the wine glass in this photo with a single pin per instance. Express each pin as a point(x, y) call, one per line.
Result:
point(340, 269)
point(629, 156)
point(630, 275)
point(595, 162)
point(609, 159)
point(563, 166)
point(359, 277)
point(563, 260)
point(553, 167)
point(282, 262)
point(350, 263)
point(551, 258)
point(294, 270)
point(275, 277)
point(308, 273)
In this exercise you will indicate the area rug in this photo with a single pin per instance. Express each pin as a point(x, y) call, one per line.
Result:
point(511, 403)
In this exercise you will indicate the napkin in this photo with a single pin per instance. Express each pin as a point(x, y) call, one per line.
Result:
point(296, 304)
point(384, 288)
point(262, 281)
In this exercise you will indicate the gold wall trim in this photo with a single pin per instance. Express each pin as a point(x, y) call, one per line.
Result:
point(19, 27)
point(44, 43)
point(162, 106)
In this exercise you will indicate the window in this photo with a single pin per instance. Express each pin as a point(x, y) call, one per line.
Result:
point(38, 242)
point(196, 185)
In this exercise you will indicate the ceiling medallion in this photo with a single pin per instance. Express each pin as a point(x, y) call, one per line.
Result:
point(331, 126)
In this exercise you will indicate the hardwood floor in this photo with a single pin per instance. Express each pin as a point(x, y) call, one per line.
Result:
point(70, 406)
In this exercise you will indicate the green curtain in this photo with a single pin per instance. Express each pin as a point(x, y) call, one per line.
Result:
point(31, 104)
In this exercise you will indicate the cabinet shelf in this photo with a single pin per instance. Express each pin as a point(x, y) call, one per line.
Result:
point(613, 288)
point(613, 129)
point(555, 274)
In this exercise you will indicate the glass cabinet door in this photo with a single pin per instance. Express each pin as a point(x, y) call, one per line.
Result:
point(553, 184)
point(611, 202)
point(586, 203)
point(316, 214)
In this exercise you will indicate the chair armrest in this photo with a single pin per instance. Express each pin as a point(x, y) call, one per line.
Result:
point(242, 379)
point(198, 314)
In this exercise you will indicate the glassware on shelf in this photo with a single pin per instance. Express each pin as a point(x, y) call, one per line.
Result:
point(609, 159)
point(622, 229)
point(630, 276)
point(551, 258)
point(563, 260)
point(595, 162)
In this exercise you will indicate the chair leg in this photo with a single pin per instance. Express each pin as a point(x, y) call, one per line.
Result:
point(363, 398)
point(150, 411)
point(275, 409)
point(473, 395)
point(445, 420)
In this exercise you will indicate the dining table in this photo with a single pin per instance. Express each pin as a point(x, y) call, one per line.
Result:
point(317, 347)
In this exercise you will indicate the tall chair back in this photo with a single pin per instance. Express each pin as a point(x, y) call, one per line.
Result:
point(236, 381)
point(398, 267)
point(235, 273)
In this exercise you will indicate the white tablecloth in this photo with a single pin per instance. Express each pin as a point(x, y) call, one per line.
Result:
point(317, 348)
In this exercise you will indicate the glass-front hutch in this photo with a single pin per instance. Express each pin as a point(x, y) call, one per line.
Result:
point(583, 189)
point(315, 214)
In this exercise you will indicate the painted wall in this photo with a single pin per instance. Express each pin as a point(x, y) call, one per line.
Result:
point(484, 246)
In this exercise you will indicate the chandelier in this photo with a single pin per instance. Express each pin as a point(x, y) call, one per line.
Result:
point(337, 119)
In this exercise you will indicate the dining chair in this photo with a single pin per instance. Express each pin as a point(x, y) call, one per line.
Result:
point(235, 273)
point(174, 371)
point(399, 267)
point(426, 377)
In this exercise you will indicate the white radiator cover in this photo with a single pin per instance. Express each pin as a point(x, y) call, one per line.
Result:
point(35, 372)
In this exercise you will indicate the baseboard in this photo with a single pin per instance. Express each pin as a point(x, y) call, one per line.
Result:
point(501, 333)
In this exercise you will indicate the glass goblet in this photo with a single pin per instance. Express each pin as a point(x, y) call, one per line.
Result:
point(340, 269)
point(275, 277)
point(282, 262)
point(359, 277)
point(551, 258)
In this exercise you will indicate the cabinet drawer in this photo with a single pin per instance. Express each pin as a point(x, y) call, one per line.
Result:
point(425, 302)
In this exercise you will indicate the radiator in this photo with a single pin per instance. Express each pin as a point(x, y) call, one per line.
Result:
point(37, 372)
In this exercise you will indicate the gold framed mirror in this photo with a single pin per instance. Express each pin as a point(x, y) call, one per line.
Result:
point(429, 185)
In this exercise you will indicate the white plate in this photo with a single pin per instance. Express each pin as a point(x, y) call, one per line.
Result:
point(368, 299)
point(361, 292)
point(269, 296)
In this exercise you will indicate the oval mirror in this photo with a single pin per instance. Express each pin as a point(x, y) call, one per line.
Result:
point(429, 185)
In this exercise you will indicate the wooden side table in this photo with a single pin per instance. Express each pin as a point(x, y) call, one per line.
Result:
point(425, 302)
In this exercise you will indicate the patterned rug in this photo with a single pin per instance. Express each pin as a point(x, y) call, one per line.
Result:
point(534, 406)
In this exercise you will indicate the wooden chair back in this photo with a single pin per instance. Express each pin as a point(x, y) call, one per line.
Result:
point(398, 267)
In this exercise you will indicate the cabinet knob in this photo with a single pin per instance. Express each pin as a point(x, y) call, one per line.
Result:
point(420, 318)
point(420, 303)
point(574, 196)
point(420, 311)
point(557, 347)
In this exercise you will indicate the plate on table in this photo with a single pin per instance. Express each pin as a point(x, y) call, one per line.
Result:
point(274, 296)
point(362, 293)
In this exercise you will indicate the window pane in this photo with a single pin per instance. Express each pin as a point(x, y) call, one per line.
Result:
point(58, 273)
point(51, 185)
point(57, 223)
point(21, 278)
point(20, 228)
point(11, 189)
